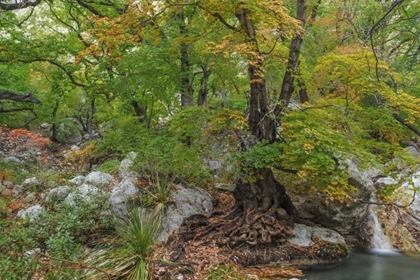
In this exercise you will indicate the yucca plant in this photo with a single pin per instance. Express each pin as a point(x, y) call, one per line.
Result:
point(159, 195)
point(126, 256)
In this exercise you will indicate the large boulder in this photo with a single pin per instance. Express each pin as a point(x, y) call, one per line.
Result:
point(315, 246)
point(78, 180)
point(342, 217)
point(186, 202)
point(121, 195)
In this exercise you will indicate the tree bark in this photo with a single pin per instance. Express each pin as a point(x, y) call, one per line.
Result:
point(187, 90)
point(266, 194)
point(287, 87)
point(17, 5)
point(54, 125)
point(9, 95)
point(140, 112)
point(204, 89)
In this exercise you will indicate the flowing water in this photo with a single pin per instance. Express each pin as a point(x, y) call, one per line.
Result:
point(368, 265)
point(380, 242)
point(381, 262)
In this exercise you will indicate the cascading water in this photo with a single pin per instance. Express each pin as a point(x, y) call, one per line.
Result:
point(381, 242)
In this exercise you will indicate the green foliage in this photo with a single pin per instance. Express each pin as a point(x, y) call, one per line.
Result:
point(158, 195)
point(65, 227)
point(127, 256)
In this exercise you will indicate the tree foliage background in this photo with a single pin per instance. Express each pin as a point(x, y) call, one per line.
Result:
point(161, 77)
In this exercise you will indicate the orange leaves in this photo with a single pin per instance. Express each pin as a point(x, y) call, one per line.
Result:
point(79, 159)
point(110, 37)
point(19, 140)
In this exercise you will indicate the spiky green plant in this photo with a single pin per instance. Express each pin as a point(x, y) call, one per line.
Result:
point(126, 257)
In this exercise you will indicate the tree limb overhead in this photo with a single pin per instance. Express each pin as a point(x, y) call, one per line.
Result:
point(17, 5)
point(8, 95)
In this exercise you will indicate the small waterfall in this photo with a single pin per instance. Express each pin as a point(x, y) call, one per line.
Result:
point(381, 242)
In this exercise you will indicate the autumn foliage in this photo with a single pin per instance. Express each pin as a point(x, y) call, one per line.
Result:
point(15, 141)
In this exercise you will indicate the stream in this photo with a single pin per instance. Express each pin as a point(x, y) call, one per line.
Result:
point(380, 263)
point(370, 265)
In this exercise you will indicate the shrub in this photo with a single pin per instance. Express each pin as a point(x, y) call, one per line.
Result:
point(126, 257)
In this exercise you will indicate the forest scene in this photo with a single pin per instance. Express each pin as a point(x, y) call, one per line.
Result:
point(209, 139)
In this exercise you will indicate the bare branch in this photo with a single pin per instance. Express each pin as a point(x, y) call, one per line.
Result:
point(17, 5)
point(9, 95)
point(394, 5)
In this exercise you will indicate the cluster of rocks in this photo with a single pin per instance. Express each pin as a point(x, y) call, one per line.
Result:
point(119, 191)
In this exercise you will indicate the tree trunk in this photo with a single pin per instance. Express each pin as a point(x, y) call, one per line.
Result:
point(187, 91)
point(287, 87)
point(89, 121)
point(204, 88)
point(266, 194)
point(140, 112)
point(54, 125)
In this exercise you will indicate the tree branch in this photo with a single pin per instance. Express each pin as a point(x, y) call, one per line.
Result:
point(394, 5)
point(8, 6)
point(9, 95)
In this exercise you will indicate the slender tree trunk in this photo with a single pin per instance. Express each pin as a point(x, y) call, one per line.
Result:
point(54, 125)
point(303, 93)
point(140, 112)
point(204, 88)
point(187, 91)
point(89, 121)
point(287, 87)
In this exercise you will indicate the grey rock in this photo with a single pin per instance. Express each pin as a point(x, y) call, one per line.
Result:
point(78, 180)
point(83, 193)
point(32, 212)
point(124, 169)
point(17, 191)
point(32, 253)
point(385, 181)
point(341, 217)
point(413, 151)
point(10, 159)
point(305, 236)
point(99, 179)
point(120, 195)
point(58, 194)
point(45, 125)
point(187, 201)
point(215, 165)
point(30, 197)
point(31, 182)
